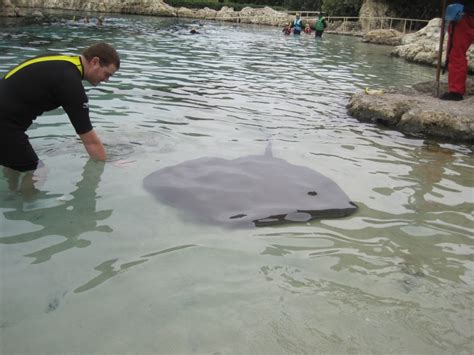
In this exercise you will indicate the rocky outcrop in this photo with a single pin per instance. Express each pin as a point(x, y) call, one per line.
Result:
point(265, 16)
point(262, 16)
point(418, 112)
point(7, 9)
point(374, 9)
point(422, 46)
point(388, 37)
point(142, 7)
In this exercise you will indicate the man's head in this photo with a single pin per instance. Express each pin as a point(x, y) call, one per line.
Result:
point(101, 61)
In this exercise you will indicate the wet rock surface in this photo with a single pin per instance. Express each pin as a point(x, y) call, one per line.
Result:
point(389, 37)
point(417, 111)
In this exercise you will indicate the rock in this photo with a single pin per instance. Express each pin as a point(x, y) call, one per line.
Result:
point(389, 37)
point(371, 9)
point(418, 112)
point(37, 14)
point(422, 46)
point(141, 7)
point(227, 14)
point(185, 12)
point(206, 13)
point(264, 16)
point(7, 9)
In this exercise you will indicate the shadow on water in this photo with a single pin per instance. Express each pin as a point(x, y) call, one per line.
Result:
point(68, 219)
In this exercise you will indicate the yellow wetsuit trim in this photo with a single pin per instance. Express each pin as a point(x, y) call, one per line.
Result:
point(74, 60)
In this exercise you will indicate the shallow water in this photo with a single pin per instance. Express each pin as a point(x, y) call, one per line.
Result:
point(93, 264)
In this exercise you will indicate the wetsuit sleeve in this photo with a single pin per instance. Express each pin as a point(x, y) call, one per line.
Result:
point(73, 98)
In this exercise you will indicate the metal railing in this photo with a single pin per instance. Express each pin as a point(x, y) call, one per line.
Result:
point(369, 23)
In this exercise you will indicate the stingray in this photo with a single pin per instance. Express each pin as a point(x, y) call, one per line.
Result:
point(251, 190)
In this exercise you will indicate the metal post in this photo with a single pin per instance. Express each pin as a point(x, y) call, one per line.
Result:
point(440, 49)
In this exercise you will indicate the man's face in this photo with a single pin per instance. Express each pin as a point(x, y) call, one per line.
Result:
point(98, 73)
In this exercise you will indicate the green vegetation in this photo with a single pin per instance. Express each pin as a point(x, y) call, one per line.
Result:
point(342, 7)
point(420, 9)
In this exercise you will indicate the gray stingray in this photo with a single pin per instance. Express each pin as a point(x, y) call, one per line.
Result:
point(255, 189)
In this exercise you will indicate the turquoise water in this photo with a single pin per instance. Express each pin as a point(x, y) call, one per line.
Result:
point(93, 264)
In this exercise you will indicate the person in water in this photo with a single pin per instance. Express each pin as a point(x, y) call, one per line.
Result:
point(297, 25)
point(194, 31)
point(42, 84)
point(307, 29)
point(461, 36)
point(320, 25)
point(287, 29)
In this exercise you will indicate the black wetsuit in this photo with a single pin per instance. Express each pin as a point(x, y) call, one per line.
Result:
point(33, 87)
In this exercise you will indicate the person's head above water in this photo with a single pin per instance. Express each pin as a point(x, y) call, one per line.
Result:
point(101, 61)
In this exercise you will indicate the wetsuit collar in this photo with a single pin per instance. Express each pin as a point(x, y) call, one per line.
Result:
point(76, 60)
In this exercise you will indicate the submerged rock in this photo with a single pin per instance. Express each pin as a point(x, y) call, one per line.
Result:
point(417, 111)
point(389, 37)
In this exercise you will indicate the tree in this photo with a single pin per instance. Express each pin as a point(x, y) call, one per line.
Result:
point(420, 9)
point(342, 7)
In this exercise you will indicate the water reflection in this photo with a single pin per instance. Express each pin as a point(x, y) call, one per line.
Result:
point(108, 270)
point(68, 218)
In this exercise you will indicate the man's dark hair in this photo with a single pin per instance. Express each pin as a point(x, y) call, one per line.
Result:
point(106, 53)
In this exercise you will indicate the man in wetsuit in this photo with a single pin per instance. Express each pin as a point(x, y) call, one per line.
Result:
point(43, 84)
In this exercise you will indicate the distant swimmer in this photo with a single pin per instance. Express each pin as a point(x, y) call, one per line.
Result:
point(194, 31)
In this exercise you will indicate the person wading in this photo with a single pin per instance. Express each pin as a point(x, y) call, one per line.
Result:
point(43, 84)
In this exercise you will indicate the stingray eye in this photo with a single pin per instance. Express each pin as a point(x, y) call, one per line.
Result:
point(312, 193)
point(241, 215)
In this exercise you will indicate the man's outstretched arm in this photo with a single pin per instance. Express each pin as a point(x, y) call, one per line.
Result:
point(93, 145)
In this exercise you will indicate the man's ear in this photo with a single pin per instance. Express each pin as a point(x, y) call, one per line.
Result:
point(95, 61)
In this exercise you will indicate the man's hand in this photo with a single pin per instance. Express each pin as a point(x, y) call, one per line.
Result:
point(93, 145)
